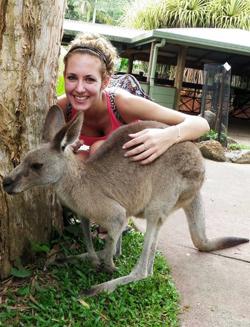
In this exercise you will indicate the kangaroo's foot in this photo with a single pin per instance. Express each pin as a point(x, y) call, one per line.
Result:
point(111, 285)
point(99, 261)
point(93, 259)
point(107, 262)
point(109, 268)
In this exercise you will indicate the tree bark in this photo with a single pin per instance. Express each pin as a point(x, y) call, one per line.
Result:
point(30, 38)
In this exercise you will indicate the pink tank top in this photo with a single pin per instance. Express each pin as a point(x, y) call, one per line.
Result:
point(89, 140)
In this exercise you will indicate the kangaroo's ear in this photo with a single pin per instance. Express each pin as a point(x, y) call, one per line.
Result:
point(54, 121)
point(69, 133)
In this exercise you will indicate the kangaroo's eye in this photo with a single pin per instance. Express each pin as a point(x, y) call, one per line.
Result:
point(36, 166)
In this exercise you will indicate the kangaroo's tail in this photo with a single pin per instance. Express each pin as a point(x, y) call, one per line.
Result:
point(220, 243)
point(196, 222)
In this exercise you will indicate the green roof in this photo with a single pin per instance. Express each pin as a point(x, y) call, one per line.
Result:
point(114, 33)
point(235, 40)
point(204, 45)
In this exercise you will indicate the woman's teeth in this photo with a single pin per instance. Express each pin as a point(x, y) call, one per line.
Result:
point(80, 98)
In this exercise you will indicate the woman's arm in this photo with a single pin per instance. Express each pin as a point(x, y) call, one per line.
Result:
point(151, 143)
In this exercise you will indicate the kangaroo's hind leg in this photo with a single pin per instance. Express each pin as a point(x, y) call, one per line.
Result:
point(92, 255)
point(144, 265)
point(196, 221)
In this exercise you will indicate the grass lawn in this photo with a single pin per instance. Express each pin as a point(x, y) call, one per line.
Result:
point(52, 298)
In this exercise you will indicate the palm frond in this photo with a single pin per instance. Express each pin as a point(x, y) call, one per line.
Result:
point(149, 14)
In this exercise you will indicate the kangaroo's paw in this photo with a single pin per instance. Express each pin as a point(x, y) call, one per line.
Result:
point(97, 289)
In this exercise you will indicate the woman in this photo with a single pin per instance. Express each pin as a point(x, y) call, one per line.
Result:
point(89, 65)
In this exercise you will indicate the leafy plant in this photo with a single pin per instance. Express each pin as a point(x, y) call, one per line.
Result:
point(210, 135)
point(141, 14)
point(229, 13)
point(20, 272)
point(188, 13)
point(213, 135)
point(122, 65)
point(39, 248)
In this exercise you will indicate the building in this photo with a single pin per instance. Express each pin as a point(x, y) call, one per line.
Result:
point(185, 49)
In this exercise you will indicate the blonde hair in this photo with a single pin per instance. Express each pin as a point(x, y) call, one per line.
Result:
point(95, 45)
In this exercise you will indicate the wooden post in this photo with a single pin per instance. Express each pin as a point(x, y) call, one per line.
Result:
point(150, 66)
point(179, 74)
point(150, 61)
point(130, 64)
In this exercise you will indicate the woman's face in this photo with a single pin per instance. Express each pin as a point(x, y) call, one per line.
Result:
point(83, 80)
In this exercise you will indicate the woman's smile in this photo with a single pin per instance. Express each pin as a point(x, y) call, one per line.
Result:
point(81, 98)
point(83, 81)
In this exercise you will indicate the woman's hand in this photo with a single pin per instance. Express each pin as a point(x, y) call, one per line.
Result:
point(150, 143)
point(76, 145)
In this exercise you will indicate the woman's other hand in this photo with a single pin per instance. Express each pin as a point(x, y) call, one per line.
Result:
point(76, 145)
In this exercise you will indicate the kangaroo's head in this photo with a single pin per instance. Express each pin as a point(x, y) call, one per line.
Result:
point(45, 165)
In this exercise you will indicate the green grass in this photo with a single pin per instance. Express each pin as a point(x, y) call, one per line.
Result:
point(52, 298)
point(236, 146)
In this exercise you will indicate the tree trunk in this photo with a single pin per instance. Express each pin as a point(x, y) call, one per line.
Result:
point(30, 38)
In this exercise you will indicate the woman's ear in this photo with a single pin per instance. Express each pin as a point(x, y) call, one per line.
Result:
point(105, 81)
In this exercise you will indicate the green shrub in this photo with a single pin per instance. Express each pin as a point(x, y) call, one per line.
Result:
point(213, 135)
point(60, 86)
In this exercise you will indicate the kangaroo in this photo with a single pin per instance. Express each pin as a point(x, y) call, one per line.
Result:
point(107, 188)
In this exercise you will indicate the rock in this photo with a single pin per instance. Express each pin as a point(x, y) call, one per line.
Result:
point(212, 150)
point(239, 156)
point(210, 116)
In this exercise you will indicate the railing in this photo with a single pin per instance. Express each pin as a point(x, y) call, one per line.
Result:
point(190, 102)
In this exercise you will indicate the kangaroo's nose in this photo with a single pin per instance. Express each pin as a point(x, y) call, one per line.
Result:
point(7, 184)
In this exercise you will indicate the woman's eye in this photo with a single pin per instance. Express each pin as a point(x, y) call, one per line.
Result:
point(71, 78)
point(90, 80)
